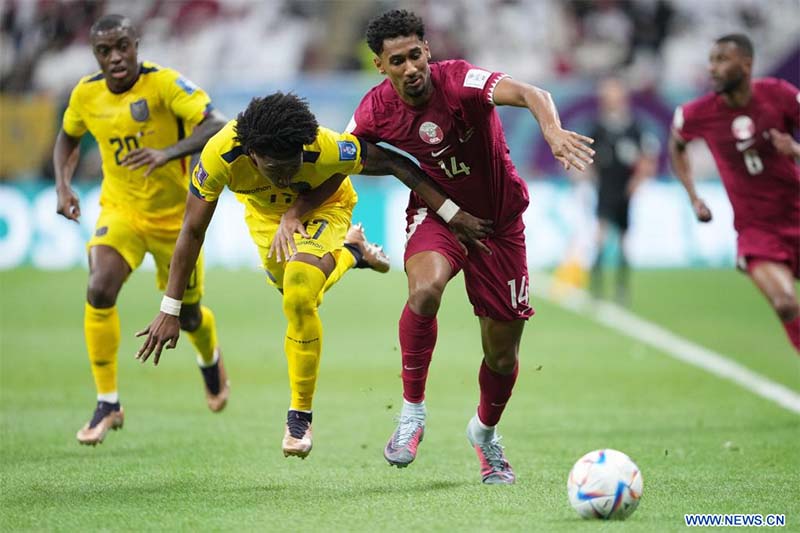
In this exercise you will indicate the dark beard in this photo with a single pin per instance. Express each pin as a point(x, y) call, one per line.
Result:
point(731, 85)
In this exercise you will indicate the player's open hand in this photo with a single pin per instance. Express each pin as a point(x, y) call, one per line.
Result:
point(68, 205)
point(145, 156)
point(470, 230)
point(784, 143)
point(162, 333)
point(283, 246)
point(570, 149)
point(701, 210)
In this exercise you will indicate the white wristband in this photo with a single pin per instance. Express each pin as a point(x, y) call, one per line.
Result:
point(170, 306)
point(448, 210)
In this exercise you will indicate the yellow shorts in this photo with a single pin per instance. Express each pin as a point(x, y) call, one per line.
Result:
point(122, 232)
point(326, 227)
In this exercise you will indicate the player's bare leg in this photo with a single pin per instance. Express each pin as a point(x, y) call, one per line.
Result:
point(107, 273)
point(498, 373)
point(428, 274)
point(776, 282)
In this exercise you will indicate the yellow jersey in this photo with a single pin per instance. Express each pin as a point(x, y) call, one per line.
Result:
point(223, 163)
point(160, 109)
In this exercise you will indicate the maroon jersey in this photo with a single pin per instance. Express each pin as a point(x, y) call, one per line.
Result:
point(763, 185)
point(456, 136)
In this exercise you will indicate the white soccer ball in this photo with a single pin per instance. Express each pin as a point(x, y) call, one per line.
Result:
point(605, 484)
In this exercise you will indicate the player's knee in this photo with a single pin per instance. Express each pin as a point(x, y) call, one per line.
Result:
point(190, 317)
point(786, 307)
point(298, 302)
point(425, 298)
point(503, 362)
point(101, 294)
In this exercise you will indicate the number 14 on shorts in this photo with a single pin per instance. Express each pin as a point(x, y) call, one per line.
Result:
point(518, 298)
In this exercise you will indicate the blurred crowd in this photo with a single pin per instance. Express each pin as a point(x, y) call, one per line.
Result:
point(45, 50)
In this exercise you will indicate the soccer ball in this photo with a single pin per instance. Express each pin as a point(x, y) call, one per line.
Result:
point(604, 484)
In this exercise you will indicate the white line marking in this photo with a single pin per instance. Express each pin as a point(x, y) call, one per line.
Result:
point(631, 325)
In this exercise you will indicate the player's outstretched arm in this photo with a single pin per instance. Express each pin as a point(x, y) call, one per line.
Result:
point(283, 246)
point(192, 144)
point(680, 166)
point(65, 160)
point(784, 143)
point(467, 228)
point(569, 148)
point(164, 330)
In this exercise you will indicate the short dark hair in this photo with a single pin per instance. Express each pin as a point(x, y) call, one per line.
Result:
point(276, 126)
point(395, 23)
point(112, 22)
point(742, 42)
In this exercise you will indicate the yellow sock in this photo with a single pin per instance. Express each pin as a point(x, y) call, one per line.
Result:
point(344, 262)
point(204, 338)
point(101, 327)
point(302, 284)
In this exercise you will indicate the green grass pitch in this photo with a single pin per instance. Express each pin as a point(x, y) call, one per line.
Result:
point(176, 466)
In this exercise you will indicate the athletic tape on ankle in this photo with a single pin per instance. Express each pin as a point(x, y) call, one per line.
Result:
point(447, 210)
point(170, 306)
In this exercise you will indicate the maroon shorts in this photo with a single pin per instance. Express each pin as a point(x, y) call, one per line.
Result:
point(756, 245)
point(497, 284)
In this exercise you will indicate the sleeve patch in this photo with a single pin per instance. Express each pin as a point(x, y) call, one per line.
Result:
point(201, 174)
point(476, 78)
point(187, 86)
point(347, 150)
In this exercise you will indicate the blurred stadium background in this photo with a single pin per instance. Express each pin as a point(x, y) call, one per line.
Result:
point(703, 443)
point(237, 49)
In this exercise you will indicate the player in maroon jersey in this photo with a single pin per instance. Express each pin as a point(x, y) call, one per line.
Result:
point(747, 125)
point(443, 114)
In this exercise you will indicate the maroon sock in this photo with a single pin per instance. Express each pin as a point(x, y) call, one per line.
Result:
point(792, 328)
point(417, 340)
point(495, 392)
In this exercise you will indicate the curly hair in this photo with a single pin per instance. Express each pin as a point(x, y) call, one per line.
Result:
point(276, 126)
point(395, 23)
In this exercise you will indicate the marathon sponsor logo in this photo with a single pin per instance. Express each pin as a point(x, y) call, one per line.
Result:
point(252, 191)
point(309, 242)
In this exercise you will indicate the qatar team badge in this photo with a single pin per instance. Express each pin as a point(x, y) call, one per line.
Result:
point(139, 110)
point(743, 128)
point(431, 133)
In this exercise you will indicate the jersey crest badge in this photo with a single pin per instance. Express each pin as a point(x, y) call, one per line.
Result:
point(431, 133)
point(139, 110)
point(347, 150)
point(743, 128)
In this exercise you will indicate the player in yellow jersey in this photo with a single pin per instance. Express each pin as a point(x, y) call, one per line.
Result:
point(146, 119)
point(292, 176)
